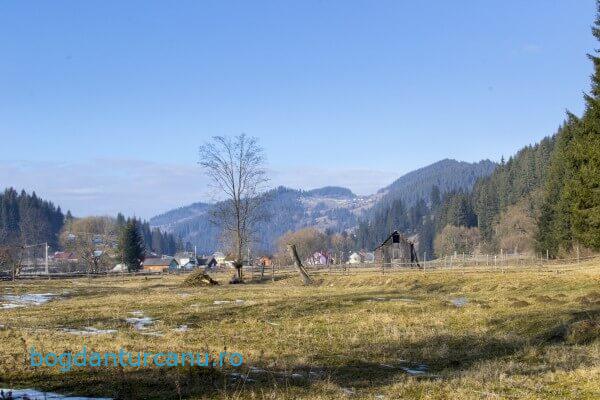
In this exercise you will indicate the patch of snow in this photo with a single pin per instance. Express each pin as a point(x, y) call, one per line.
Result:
point(140, 323)
point(23, 300)
point(182, 328)
point(459, 302)
point(90, 331)
point(412, 371)
point(31, 394)
point(219, 302)
point(7, 306)
point(420, 370)
point(348, 391)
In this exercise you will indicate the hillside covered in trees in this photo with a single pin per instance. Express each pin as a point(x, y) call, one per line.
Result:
point(329, 209)
point(27, 219)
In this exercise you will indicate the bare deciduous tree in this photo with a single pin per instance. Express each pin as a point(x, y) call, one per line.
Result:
point(236, 167)
point(11, 258)
point(91, 239)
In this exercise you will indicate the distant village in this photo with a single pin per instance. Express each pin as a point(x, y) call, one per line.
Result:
point(68, 261)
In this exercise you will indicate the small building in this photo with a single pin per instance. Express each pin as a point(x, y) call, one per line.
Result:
point(355, 258)
point(318, 258)
point(160, 264)
point(65, 256)
point(220, 257)
point(265, 261)
point(396, 249)
point(207, 262)
point(186, 260)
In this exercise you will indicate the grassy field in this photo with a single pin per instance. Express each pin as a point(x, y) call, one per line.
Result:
point(521, 333)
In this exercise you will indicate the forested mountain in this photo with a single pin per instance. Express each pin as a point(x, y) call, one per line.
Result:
point(446, 174)
point(331, 208)
point(26, 219)
point(179, 215)
point(283, 210)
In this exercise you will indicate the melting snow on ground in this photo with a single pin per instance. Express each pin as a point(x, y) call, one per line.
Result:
point(31, 394)
point(24, 300)
point(459, 302)
point(89, 331)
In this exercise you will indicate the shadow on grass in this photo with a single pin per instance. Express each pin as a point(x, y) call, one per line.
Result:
point(449, 353)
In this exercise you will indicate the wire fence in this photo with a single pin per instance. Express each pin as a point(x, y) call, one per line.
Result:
point(462, 262)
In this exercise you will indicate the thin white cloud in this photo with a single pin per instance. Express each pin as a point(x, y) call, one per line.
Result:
point(143, 188)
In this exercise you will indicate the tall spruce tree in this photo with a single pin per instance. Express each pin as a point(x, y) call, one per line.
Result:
point(584, 161)
point(571, 210)
point(131, 245)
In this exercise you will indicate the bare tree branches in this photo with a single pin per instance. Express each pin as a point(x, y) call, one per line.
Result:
point(236, 169)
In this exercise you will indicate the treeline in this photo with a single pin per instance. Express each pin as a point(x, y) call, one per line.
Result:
point(27, 219)
point(154, 240)
point(447, 175)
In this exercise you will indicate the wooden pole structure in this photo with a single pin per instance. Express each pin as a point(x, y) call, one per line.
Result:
point(306, 279)
point(272, 272)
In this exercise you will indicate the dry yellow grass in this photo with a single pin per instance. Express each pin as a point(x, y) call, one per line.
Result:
point(525, 333)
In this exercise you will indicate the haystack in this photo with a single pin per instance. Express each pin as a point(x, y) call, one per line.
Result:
point(199, 278)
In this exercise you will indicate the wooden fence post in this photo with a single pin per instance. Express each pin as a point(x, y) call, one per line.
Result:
point(306, 279)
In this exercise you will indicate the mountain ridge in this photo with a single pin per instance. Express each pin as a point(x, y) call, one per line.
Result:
point(327, 208)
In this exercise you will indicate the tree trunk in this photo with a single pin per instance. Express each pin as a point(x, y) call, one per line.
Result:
point(262, 271)
point(306, 279)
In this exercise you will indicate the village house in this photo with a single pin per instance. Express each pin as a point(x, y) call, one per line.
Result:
point(219, 257)
point(355, 258)
point(207, 262)
point(318, 258)
point(160, 265)
point(265, 261)
point(186, 260)
point(65, 256)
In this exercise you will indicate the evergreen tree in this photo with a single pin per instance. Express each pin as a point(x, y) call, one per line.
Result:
point(131, 245)
point(435, 197)
point(584, 162)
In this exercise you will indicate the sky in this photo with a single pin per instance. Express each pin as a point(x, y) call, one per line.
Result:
point(103, 104)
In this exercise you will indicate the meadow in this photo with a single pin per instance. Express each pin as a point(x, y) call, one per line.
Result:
point(516, 333)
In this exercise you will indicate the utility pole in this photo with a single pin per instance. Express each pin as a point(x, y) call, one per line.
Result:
point(46, 262)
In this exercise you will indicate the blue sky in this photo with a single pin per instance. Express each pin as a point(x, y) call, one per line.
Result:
point(103, 103)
